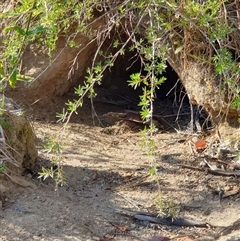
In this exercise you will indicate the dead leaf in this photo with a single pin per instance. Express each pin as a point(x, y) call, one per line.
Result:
point(119, 227)
point(200, 145)
point(122, 228)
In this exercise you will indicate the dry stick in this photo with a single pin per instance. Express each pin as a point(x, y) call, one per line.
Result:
point(13, 180)
point(214, 172)
point(37, 77)
point(153, 218)
point(192, 117)
point(231, 164)
point(5, 152)
point(175, 86)
point(94, 114)
point(181, 103)
point(171, 126)
point(130, 142)
point(206, 162)
point(94, 39)
point(134, 203)
point(225, 173)
point(9, 157)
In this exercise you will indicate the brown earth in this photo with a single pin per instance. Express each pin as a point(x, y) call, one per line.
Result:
point(106, 167)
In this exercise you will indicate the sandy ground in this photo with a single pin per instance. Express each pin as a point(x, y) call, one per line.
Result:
point(105, 167)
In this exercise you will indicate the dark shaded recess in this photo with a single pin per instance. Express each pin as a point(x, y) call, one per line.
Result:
point(171, 100)
point(117, 78)
point(172, 88)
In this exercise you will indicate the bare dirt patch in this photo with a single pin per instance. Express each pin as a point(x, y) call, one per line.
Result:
point(107, 169)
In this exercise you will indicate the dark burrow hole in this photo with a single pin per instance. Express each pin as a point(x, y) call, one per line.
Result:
point(172, 109)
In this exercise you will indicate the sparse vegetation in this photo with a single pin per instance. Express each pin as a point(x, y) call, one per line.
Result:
point(198, 30)
point(53, 149)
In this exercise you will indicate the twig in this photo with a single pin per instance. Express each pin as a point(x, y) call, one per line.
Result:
point(214, 172)
point(231, 164)
point(191, 167)
point(130, 142)
point(225, 173)
point(220, 195)
point(211, 167)
point(134, 203)
point(94, 114)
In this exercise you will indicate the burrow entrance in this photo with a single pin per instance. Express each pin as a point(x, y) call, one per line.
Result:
point(117, 101)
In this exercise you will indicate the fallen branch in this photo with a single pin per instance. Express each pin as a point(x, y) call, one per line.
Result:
point(231, 164)
point(153, 218)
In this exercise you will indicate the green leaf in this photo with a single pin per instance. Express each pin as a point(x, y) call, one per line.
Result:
point(13, 78)
point(2, 168)
point(116, 43)
point(21, 77)
point(135, 80)
point(16, 28)
point(152, 171)
point(120, 9)
point(1, 70)
point(36, 30)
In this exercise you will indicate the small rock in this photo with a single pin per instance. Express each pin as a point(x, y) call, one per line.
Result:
point(86, 179)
